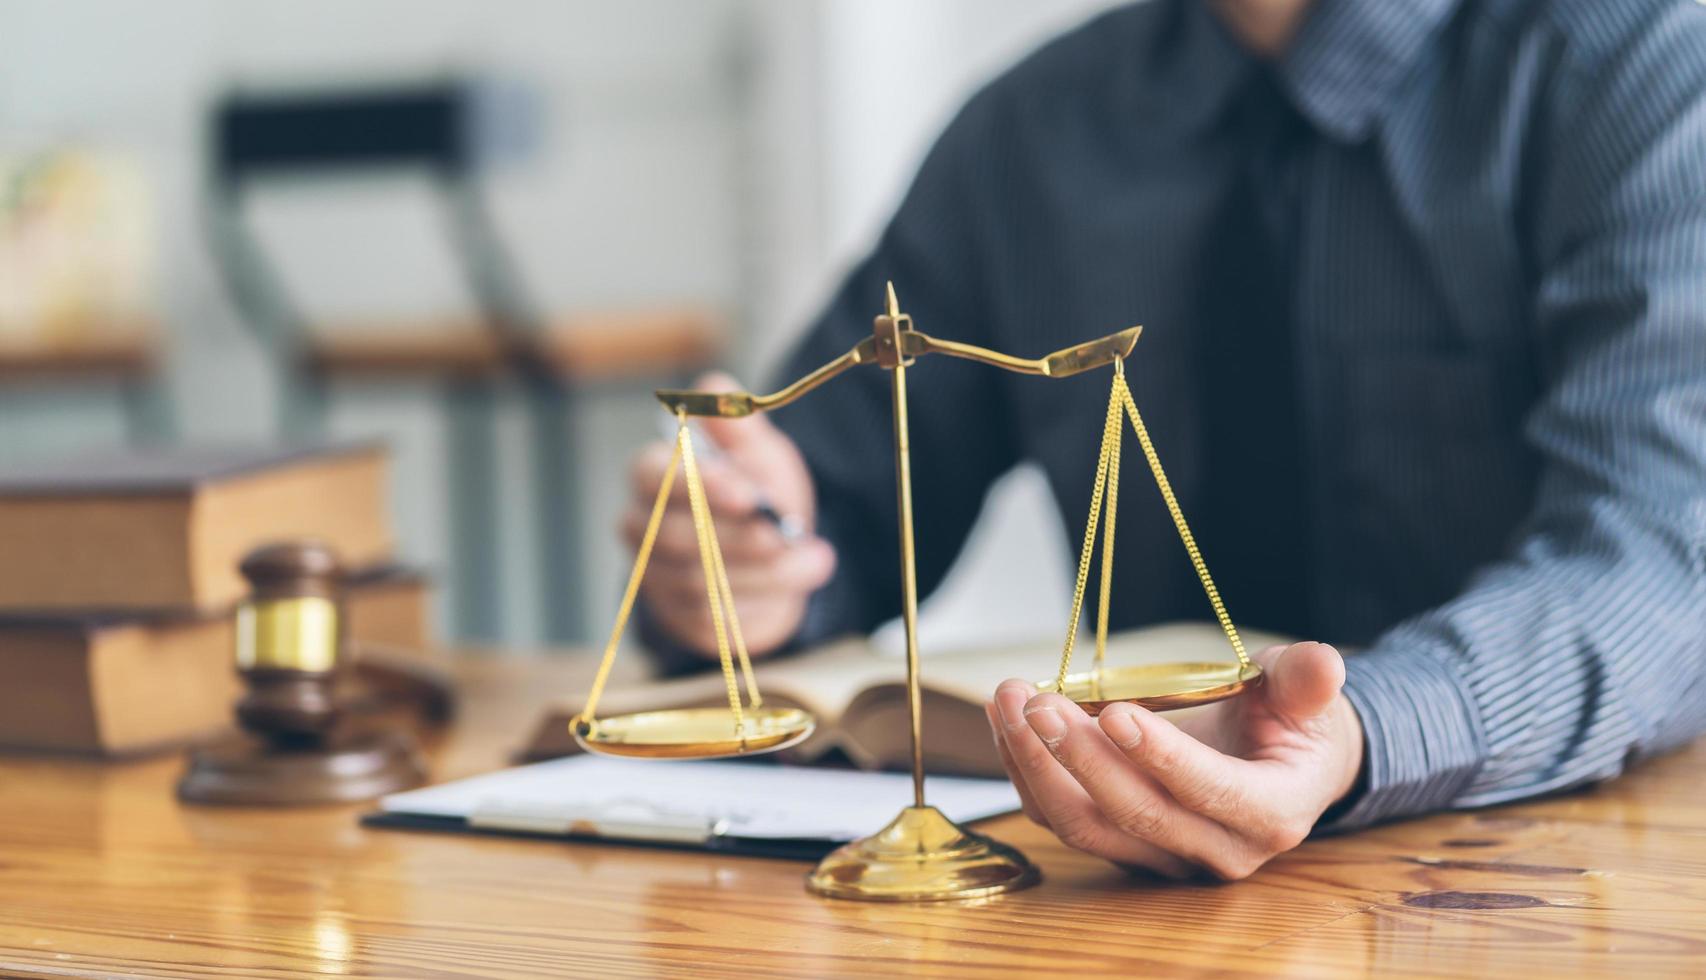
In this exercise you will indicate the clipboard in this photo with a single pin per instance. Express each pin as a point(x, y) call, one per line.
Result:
point(805, 849)
point(745, 808)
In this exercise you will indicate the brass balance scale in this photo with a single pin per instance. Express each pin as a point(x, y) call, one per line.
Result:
point(921, 855)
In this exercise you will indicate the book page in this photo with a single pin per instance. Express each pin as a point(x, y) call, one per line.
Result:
point(822, 681)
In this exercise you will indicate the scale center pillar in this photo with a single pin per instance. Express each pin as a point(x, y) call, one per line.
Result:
point(921, 855)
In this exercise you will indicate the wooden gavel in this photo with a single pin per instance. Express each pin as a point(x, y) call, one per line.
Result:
point(290, 643)
point(300, 743)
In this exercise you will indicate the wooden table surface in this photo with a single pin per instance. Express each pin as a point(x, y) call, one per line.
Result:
point(102, 873)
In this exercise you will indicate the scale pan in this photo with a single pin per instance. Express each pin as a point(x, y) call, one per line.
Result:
point(1159, 687)
point(694, 733)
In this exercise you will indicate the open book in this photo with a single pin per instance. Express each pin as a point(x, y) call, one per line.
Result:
point(859, 696)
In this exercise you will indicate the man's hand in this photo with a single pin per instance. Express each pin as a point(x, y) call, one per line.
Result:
point(771, 576)
point(1222, 792)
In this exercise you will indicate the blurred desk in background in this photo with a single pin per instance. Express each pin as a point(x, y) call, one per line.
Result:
point(127, 357)
point(587, 348)
point(102, 872)
point(107, 353)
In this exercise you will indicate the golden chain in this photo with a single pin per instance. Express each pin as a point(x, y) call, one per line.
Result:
point(709, 558)
point(1107, 487)
point(626, 609)
point(1110, 438)
point(1185, 535)
point(1113, 500)
point(724, 621)
point(709, 533)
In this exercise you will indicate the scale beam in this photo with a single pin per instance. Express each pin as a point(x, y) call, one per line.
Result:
point(1061, 364)
point(913, 343)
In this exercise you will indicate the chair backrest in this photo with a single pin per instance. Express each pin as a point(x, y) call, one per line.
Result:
point(425, 125)
point(447, 128)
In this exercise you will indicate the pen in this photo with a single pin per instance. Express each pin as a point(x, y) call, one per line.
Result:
point(612, 823)
point(787, 526)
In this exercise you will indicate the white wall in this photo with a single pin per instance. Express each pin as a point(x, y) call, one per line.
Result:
point(633, 197)
point(739, 153)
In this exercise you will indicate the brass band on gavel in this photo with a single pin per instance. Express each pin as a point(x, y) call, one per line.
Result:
point(291, 621)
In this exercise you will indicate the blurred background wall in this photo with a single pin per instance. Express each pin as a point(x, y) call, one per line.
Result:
point(734, 155)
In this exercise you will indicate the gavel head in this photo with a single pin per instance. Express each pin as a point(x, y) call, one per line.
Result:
point(289, 641)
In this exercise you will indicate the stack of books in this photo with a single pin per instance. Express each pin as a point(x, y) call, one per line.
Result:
point(119, 577)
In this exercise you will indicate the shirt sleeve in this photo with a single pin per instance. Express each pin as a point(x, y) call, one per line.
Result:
point(1583, 648)
point(929, 250)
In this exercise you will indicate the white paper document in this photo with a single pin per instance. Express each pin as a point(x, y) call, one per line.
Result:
point(694, 801)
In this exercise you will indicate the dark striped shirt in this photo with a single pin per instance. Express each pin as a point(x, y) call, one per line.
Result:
point(1486, 362)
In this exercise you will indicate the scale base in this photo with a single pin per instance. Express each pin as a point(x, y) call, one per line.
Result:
point(921, 856)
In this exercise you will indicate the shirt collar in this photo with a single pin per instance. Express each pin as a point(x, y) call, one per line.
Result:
point(1349, 56)
point(1196, 64)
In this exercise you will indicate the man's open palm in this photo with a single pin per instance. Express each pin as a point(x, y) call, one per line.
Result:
point(1222, 792)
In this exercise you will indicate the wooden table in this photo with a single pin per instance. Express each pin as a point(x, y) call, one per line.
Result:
point(103, 873)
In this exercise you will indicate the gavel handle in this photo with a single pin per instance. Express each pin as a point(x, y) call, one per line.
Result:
point(390, 678)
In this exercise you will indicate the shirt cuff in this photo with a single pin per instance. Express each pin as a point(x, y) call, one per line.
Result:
point(1422, 736)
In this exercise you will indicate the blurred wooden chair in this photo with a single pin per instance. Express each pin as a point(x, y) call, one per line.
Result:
point(437, 128)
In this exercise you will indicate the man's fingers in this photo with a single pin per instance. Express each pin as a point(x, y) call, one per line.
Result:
point(725, 432)
point(1027, 802)
point(1064, 806)
point(1226, 789)
point(727, 491)
point(716, 381)
point(1132, 801)
point(763, 453)
point(1303, 679)
point(799, 570)
point(741, 539)
point(1196, 775)
point(1067, 809)
point(732, 435)
point(736, 435)
point(765, 623)
point(646, 469)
